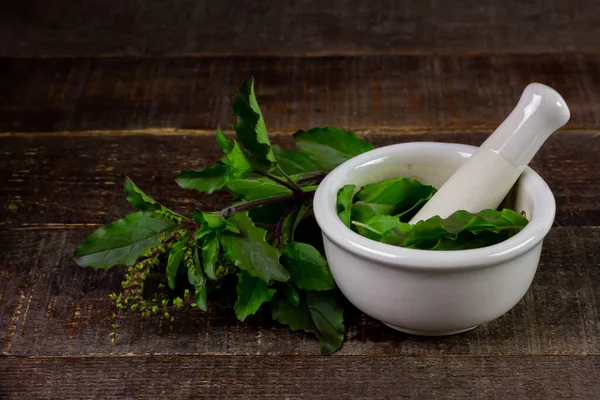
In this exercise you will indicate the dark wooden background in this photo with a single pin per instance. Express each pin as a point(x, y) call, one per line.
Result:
point(93, 91)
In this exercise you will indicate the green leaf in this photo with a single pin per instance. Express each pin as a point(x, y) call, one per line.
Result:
point(256, 187)
point(224, 142)
point(212, 222)
point(295, 162)
point(174, 260)
point(206, 180)
point(376, 226)
point(308, 268)
point(137, 198)
point(250, 125)
point(404, 194)
point(344, 203)
point(331, 146)
point(361, 212)
point(122, 241)
point(238, 161)
point(197, 279)
point(250, 252)
point(290, 294)
point(211, 219)
point(459, 231)
point(317, 312)
point(328, 317)
point(252, 293)
point(210, 254)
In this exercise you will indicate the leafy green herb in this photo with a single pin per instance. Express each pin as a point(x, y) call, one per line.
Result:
point(174, 260)
point(250, 251)
point(252, 293)
point(295, 162)
point(376, 226)
point(123, 241)
point(462, 230)
point(206, 180)
point(307, 267)
point(261, 236)
point(316, 312)
point(330, 146)
point(256, 187)
point(142, 201)
point(344, 203)
point(250, 125)
point(401, 194)
point(196, 277)
point(224, 142)
point(378, 210)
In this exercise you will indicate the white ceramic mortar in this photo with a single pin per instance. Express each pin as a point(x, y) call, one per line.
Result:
point(430, 292)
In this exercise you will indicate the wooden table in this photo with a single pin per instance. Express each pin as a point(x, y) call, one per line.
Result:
point(93, 91)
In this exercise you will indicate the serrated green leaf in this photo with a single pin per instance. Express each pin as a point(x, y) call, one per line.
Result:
point(318, 313)
point(252, 293)
point(250, 251)
point(206, 180)
point(307, 267)
point(459, 231)
point(224, 142)
point(210, 254)
point(250, 125)
point(140, 200)
point(256, 187)
point(122, 241)
point(344, 203)
point(174, 260)
point(376, 226)
point(331, 146)
point(295, 162)
point(406, 195)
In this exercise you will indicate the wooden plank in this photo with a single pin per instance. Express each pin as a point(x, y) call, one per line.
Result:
point(299, 28)
point(49, 307)
point(215, 377)
point(399, 93)
point(50, 181)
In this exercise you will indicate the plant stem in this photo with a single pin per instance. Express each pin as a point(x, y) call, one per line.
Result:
point(279, 234)
point(227, 212)
point(292, 186)
point(286, 176)
point(316, 177)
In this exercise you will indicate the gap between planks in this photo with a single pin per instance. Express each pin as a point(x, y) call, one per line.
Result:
point(329, 53)
point(389, 130)
point(292, 356)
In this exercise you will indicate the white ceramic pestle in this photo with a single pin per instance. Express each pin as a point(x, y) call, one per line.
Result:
point(485, 180)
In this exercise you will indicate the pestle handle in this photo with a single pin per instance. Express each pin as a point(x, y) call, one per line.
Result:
point(539, 113)
point(487, 177)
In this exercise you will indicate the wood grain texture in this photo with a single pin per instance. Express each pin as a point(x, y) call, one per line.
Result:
point(299, 28)
point(64, 180)
point(51, 307)
point(214, 377)
point(399, 93)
